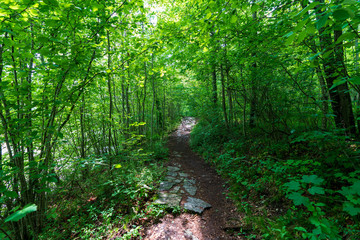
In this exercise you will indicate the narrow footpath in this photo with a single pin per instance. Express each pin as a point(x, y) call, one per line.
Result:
point(194, 185)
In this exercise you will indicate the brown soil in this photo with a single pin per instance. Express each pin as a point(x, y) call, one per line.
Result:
point(215, 222)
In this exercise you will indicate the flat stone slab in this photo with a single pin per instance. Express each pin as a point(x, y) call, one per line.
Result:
point(175, 189)
point(173, 179)
point(173, 174)
point(183, 174)
point(165, 186)
point(189, 181)
point(170, 199)
point(170, 178)
point(196, 205)
point(173, 169)
point(191, 189)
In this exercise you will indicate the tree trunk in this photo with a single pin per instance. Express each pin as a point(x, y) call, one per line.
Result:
point(144, 99)
point(253, 99)
point(110, 95)
point(346, 119)
point(334, 69)
point(324, 98)
point(223, 96)
point(214, 86)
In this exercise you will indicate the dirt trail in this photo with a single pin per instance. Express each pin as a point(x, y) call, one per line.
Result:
point(213, 222)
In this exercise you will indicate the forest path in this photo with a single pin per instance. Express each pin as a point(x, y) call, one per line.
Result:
point(205, 184)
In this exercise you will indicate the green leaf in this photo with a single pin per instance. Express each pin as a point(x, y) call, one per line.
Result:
point(307, 8)
point(337, 83)
point(302, 36)
point(355, 188)
point(300, 25)
point(355, 80)
point(310, 29)
point(51, 2)
point(208, 15)
point(14, 7)
point(346, 36)
point(290, 39)
point(312, 179)
point(314, 63)
point(351, 209)
point(350, 2)
point(3, 13)
point(298, 198)
point(233, 19)
point(8, 31)
point(288, 34)
point(349, 44)
point(322, 21)
point(341, 14)
point(316, 190)
point(21, 213)
point(300, 229)
point(293, 185)
point(328, 53)
point(117, 166)
point(254, 8)
point(314, 221)
point(52, 179)
point(11, 194)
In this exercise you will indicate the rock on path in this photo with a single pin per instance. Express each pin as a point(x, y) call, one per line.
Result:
point(171, 195)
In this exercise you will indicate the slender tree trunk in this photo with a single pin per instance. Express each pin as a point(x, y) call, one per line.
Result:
point(214, 86)
point(245, 103)
point(154, 99)
point(223, 95)
point(324, 98)
point(115, 130)
point(253, 99)
point(144, 98)
point(33, 182)
point(82, 127)
point(356, 63)
point(127, 102)
point(110, 95)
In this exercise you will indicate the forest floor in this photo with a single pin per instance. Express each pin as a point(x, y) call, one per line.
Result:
point(216, 222)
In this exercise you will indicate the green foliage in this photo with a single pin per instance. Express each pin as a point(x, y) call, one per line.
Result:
point(352, 195)
point(302, 177)
point(107, 205)
point(205, 134)
point(19, 214)
point(158, 150)
point(84, 84)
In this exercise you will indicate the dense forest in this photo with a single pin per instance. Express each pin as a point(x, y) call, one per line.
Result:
point(90, 90)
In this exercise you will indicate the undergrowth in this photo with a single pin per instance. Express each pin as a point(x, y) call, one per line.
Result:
point(102, 203)
point(304, 186)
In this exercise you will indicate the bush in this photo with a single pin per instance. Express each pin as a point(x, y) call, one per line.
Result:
point(313, 177)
